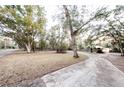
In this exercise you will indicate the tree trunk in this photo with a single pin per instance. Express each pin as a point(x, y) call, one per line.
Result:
point(74, 46)
point(28, 47)
point(122, 51)
point(33, 46)
point(73, 34)
point(121, 48)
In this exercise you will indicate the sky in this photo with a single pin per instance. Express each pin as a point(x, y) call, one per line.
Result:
point(51, 10)
point(60, 2)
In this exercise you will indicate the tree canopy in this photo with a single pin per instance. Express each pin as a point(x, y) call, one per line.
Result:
point(22, 23)
point(26, 24)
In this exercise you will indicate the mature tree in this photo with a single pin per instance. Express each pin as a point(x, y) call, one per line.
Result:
point(52, 37)
point(23, 23)
point(56, 38)
point(114, 26)
point(42, 43)
point(75, 25)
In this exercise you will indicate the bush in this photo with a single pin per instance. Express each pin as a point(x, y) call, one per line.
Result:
point(70, 48)
point(115, 50)
point(42, 44)
point(62, 48)
point(99, 50)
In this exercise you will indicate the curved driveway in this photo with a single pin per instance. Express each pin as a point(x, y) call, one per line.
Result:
point(96, 71)
point(4, 52)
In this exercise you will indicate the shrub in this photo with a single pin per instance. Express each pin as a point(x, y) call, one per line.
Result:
point(62, 48)
point(42, 44)
point(115, 50)
point(99, 50)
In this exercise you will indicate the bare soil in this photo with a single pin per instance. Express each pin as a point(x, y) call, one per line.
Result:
point(22, 67)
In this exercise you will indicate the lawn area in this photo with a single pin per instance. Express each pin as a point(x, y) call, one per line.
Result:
point(20, 66)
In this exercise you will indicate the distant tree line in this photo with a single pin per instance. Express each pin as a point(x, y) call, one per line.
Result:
point(26, 24)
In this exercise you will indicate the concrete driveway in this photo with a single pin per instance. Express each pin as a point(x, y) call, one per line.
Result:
point(94, 72)
point(4, 52)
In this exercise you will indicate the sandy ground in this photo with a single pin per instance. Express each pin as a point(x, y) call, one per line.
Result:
point(94, 72)
point(20, 68)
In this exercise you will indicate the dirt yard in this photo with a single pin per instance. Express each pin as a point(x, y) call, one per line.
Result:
point(22, 67)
